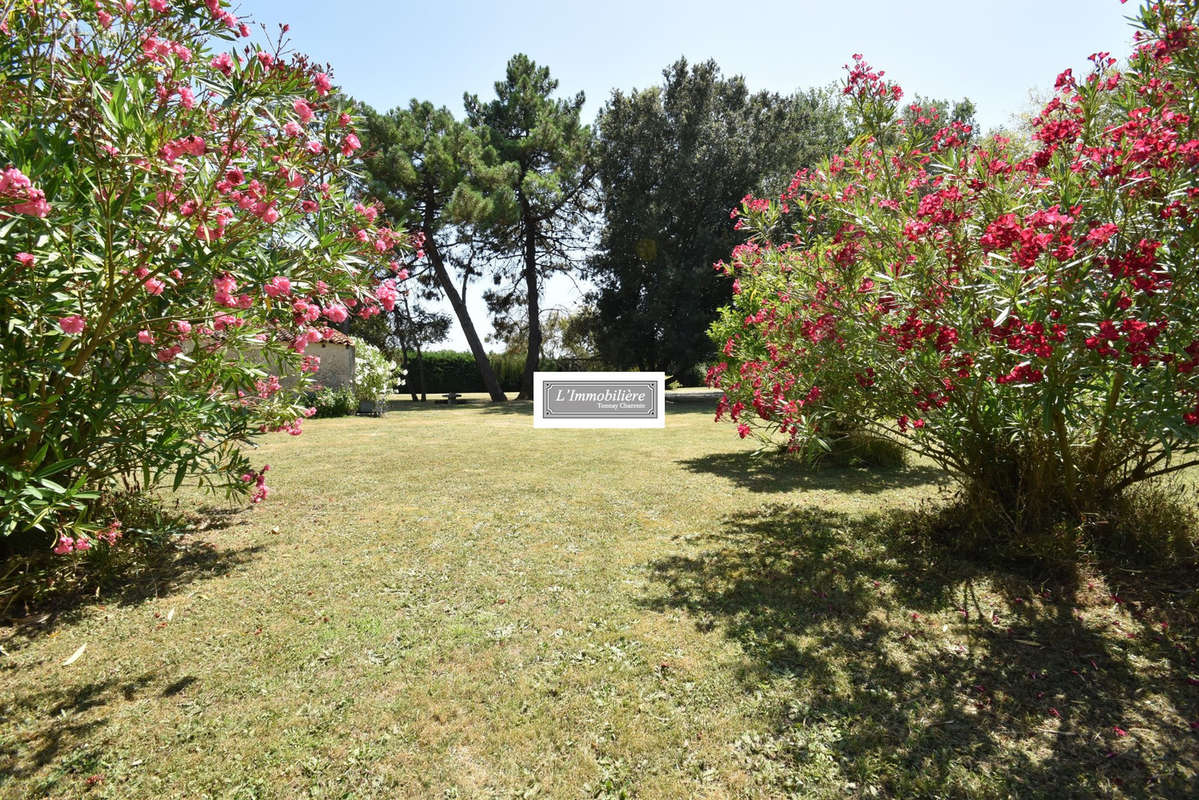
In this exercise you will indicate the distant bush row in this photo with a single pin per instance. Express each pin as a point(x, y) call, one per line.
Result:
point(454, 371)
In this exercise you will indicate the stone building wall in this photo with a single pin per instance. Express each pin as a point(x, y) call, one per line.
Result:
point(336, 369)
point(337, 364)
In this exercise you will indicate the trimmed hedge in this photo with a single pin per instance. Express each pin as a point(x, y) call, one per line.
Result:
point(454, 371)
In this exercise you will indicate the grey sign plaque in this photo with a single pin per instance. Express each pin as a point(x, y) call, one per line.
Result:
point(599, 399)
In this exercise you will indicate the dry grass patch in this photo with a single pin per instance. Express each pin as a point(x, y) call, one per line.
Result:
point(458, 605)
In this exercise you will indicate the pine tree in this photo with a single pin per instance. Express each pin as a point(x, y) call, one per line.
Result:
point(432, 174)
point(538, 221)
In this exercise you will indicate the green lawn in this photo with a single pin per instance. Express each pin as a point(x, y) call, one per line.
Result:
point(448, 603)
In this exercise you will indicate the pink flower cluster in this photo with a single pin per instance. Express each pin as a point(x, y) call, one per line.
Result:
point(72, 325)
point(65, 545)
point(387, 294)
point(222, 63)
point(212, 226)
point(224, 286)
point(306, 337)
point(158, 50)
point(292, 428)
point(110, 534)
point(261, 490)
point(267, 388)
point(226, 17)
point(277, 286)
point(865, 82)
point(14, 185)
point(178, 328)
point(187, 145)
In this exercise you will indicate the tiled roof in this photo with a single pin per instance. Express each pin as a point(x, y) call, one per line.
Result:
point(337, 337)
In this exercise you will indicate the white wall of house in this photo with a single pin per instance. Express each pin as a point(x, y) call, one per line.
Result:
point(337, 364)
point(336, 369)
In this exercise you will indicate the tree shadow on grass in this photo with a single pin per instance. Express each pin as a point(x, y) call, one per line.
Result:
point(152, 572)
point(769, 473)
point(60, 723)
point(190, 562)
point(899, 670)
point(513, 408)
point(692, 405)
point(438, 403)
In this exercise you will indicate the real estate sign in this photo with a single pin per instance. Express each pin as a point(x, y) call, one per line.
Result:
point(599, 400)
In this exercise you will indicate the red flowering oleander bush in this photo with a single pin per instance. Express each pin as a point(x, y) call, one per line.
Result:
point(174, 231)
point(1024, 313)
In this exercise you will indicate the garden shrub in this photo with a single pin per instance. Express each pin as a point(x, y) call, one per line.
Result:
point(858, 447)
point(332, 402)
point(139, 536)
point(173, 213)
point(1151, 525)
point(372, 373)
point(1026, 314)
point(692, 376)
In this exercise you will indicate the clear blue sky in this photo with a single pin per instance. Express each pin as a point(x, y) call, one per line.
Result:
point(386, 53)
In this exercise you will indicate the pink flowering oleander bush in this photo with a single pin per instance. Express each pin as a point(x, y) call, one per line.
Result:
point(1025, 313)
point(174, 232)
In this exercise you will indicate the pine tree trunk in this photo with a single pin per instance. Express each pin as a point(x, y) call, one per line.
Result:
point(404, 346)
point(404, 365)
point(420, 366)
point(490, 381)
point(533, 296)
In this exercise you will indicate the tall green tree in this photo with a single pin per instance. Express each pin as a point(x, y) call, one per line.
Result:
point(930, 115)
point(539, 226)
point(673, 160)
point(432, 172)
point(565, 334)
